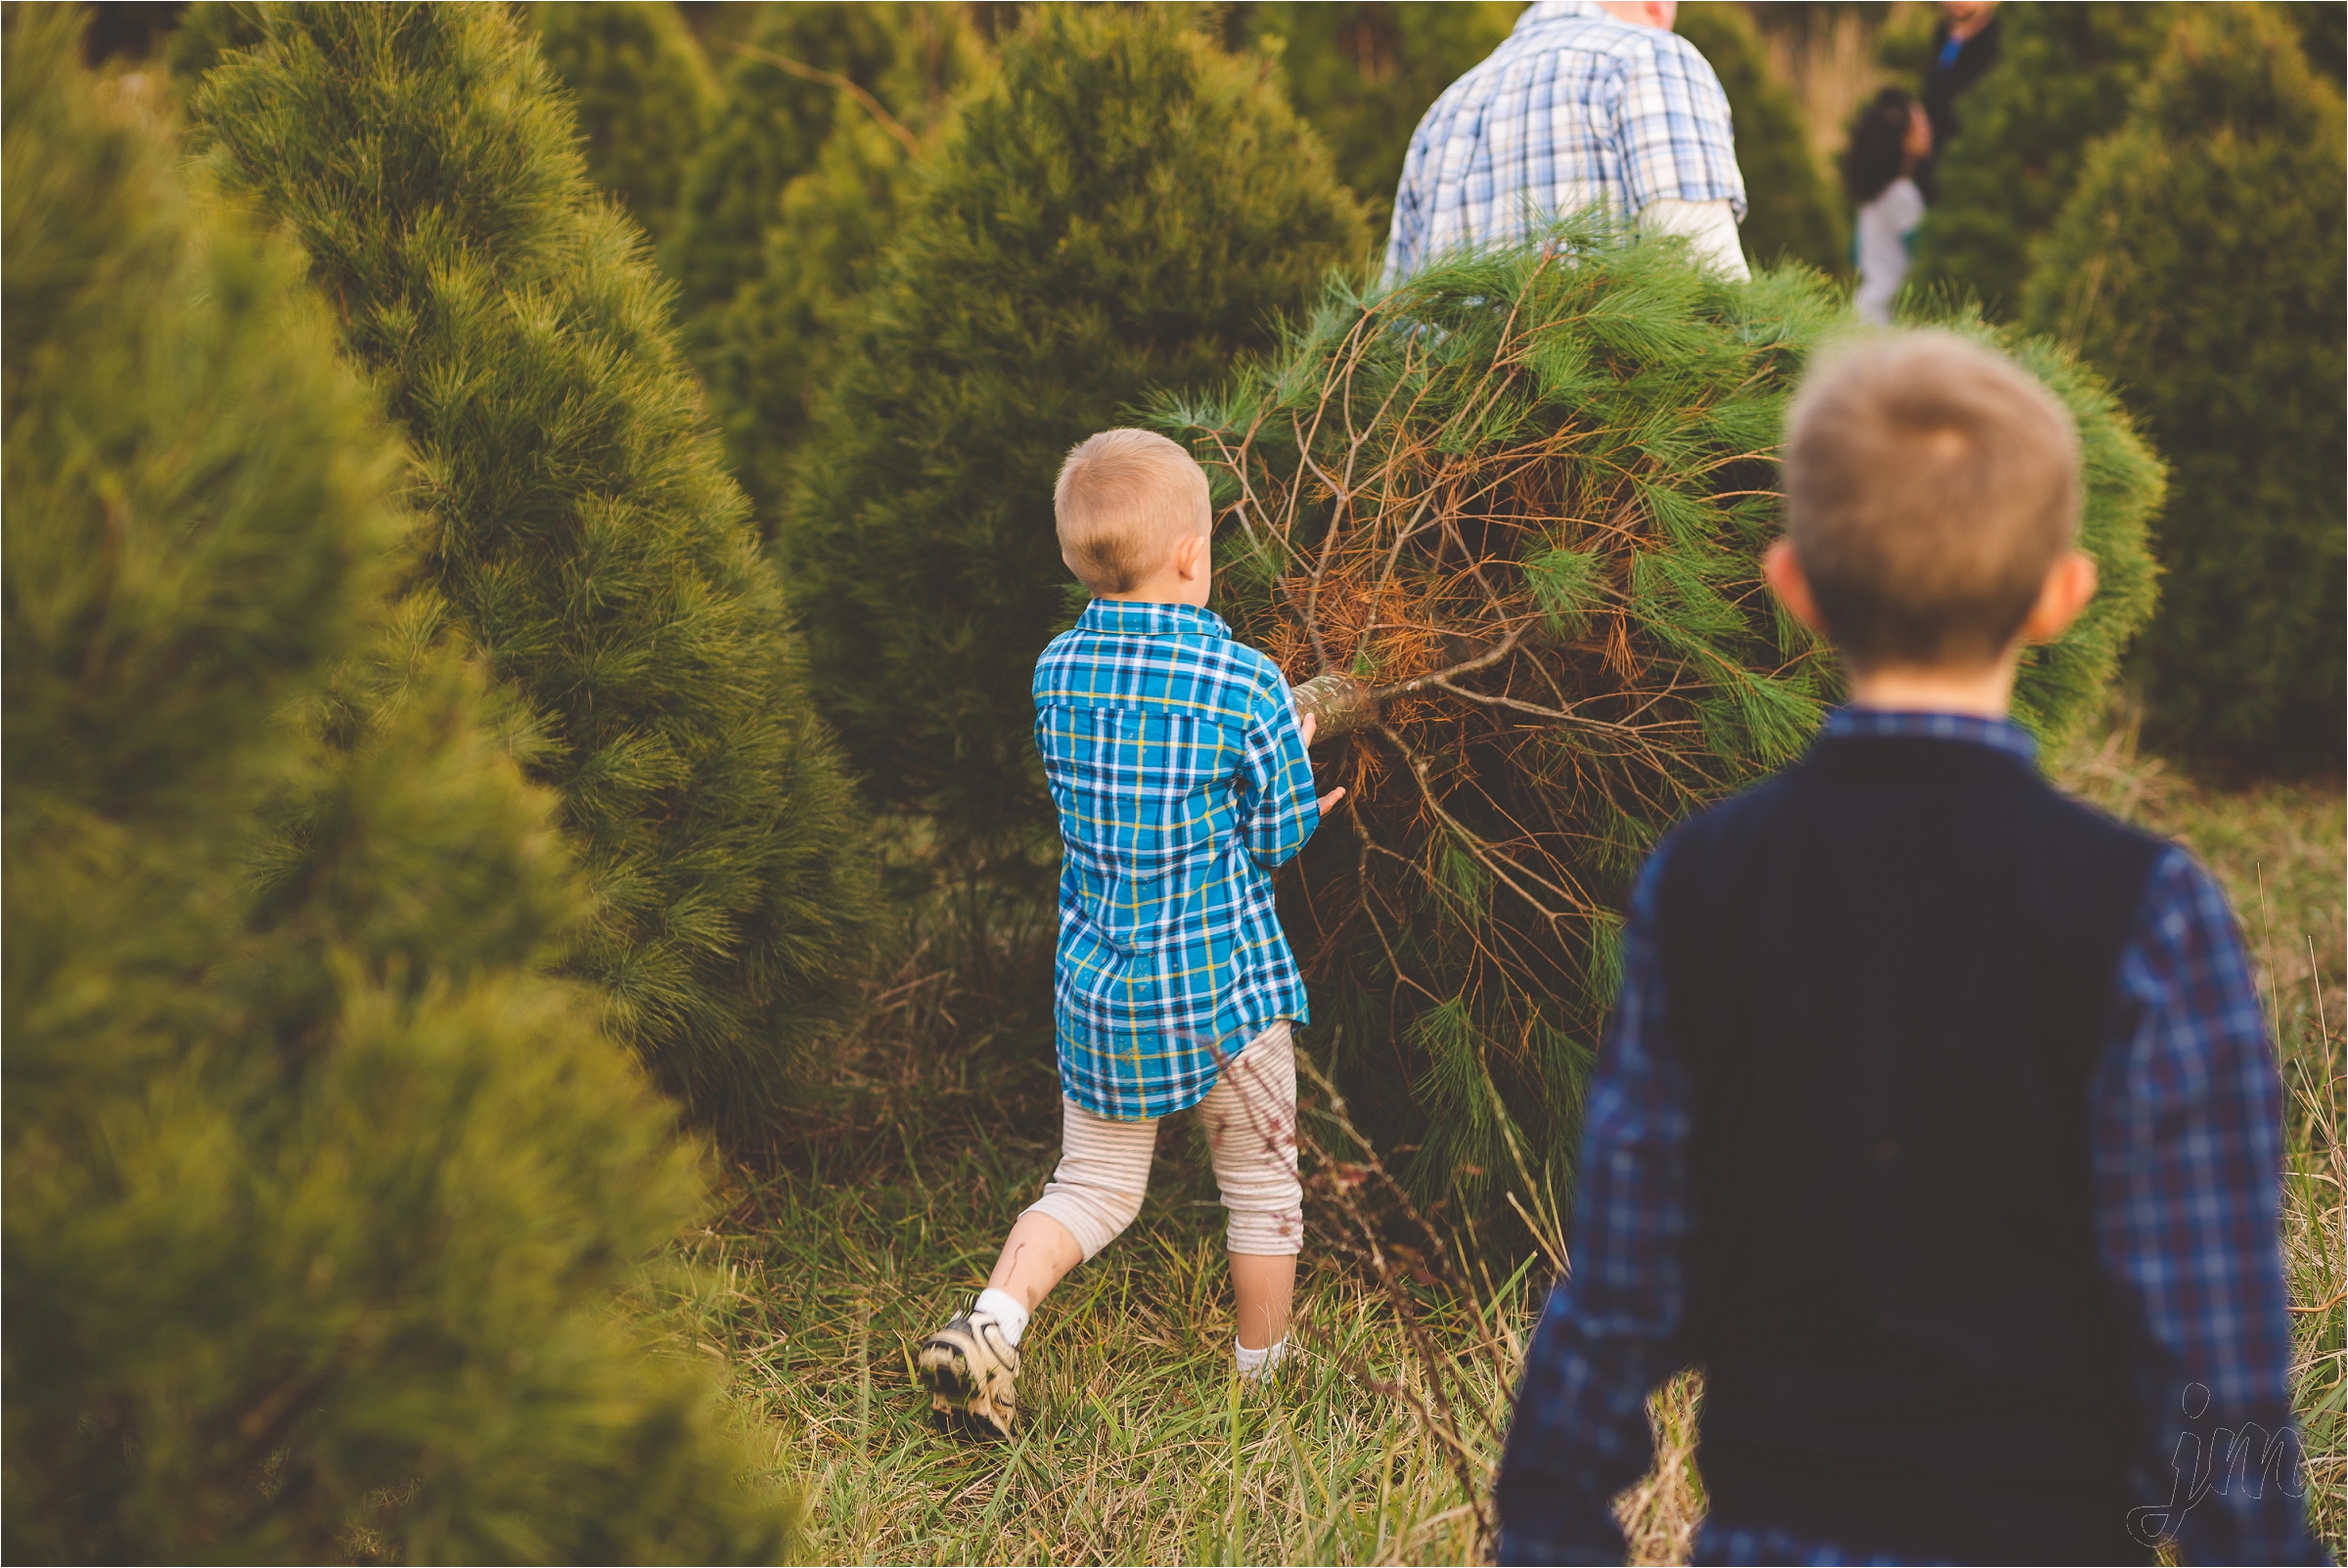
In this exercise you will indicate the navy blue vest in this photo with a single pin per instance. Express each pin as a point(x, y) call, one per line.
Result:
point(1890, 974)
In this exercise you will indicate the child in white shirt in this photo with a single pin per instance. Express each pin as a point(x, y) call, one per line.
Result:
point(1893, 136)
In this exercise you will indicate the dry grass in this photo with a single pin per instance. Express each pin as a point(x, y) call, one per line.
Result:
point(1137, 1444)
point(938, 1126)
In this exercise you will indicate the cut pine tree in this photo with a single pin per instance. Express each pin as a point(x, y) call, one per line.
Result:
point(1506, 522)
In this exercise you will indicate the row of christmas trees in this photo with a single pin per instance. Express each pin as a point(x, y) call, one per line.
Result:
point(1116, 206)
point(2152, 184)
point(2163, 188)
point(768, 155)
point(412, 722)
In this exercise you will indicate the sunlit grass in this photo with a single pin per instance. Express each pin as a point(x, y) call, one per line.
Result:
point(940, 1124)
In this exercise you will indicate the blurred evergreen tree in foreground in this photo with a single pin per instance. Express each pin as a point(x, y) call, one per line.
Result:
point(1545, 563)
point(1792, 211)
point(643, 94)
point(2199, 263)
point(582, 526)
point(2064, 78)
point(2323, 35)
point(1125, 208)
point(321, 1200)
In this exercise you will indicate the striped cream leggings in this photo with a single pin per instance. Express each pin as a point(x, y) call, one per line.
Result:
point(1251, 1121)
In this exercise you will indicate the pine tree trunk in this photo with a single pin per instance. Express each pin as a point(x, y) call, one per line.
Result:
point(1337, 703)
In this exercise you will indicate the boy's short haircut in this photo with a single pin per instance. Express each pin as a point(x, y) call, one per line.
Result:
point(1929, 484)
point(1123, 499)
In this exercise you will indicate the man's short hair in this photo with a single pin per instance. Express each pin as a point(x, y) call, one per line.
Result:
point(1124, 500)
point(1931, 483)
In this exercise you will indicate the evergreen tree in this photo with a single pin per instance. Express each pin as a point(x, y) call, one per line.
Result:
point(779, 340)
point(2323, 35)
point(1545, 571)
point(1791, 211)
point(644, 94)
point(771, 125)
point(207, 30)
point(1905, 47)
point(2200, 265)
point(1125, 208)
point(320, 1198)
point(1363, 73)
point(2063, 78)
point(776, 338)
point(583, 529)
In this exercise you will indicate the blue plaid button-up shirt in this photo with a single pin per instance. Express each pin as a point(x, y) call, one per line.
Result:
point(2187, 1134)
point(1576, 108)
point(1181, 783)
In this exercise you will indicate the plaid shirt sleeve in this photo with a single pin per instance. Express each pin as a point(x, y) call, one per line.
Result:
point(1676, 136)
point(2187, 1153)
point(1278, 810)
point(1580, 1432)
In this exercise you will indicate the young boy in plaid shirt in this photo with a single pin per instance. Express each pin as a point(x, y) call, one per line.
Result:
point(1937, 1121)
point(1179, 769)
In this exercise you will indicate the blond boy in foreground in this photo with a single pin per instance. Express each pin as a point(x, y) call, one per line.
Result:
point(1179, 770)
point(1937, 1120)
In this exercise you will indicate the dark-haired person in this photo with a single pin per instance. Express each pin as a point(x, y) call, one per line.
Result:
point(1893, 136)
point(1938, 1120)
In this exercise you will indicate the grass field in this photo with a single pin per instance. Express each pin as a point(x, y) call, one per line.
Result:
point(938, 1123)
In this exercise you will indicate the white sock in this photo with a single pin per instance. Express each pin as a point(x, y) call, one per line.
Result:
point(1256, 1362)
point(1007, 1312)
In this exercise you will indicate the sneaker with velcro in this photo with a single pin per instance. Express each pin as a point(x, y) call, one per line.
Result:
point(971, 1372)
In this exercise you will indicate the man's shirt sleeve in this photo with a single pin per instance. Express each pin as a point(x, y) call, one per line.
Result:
point(1580, 1433)
point(1277, 808)
point(1676, 139)
point(2187, 1149)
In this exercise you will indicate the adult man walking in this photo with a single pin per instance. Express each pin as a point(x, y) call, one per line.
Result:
point(1587, 102)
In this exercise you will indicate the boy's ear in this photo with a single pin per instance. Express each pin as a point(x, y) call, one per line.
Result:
point(1782, 569)
point(1189, 555)
point(2070, 583)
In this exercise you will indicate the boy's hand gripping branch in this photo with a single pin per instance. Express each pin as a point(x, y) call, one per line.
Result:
point(1335, 702)
point(1306, 722)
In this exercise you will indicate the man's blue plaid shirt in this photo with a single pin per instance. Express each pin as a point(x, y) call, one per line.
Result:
point(1182, 781)
point(2187, 1147)
point(1576, 108)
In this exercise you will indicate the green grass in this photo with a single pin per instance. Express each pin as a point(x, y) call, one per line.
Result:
point(938, 1123)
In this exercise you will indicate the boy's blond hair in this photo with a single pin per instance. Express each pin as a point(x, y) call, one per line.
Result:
point(1124, 500)
point(1931, 483)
